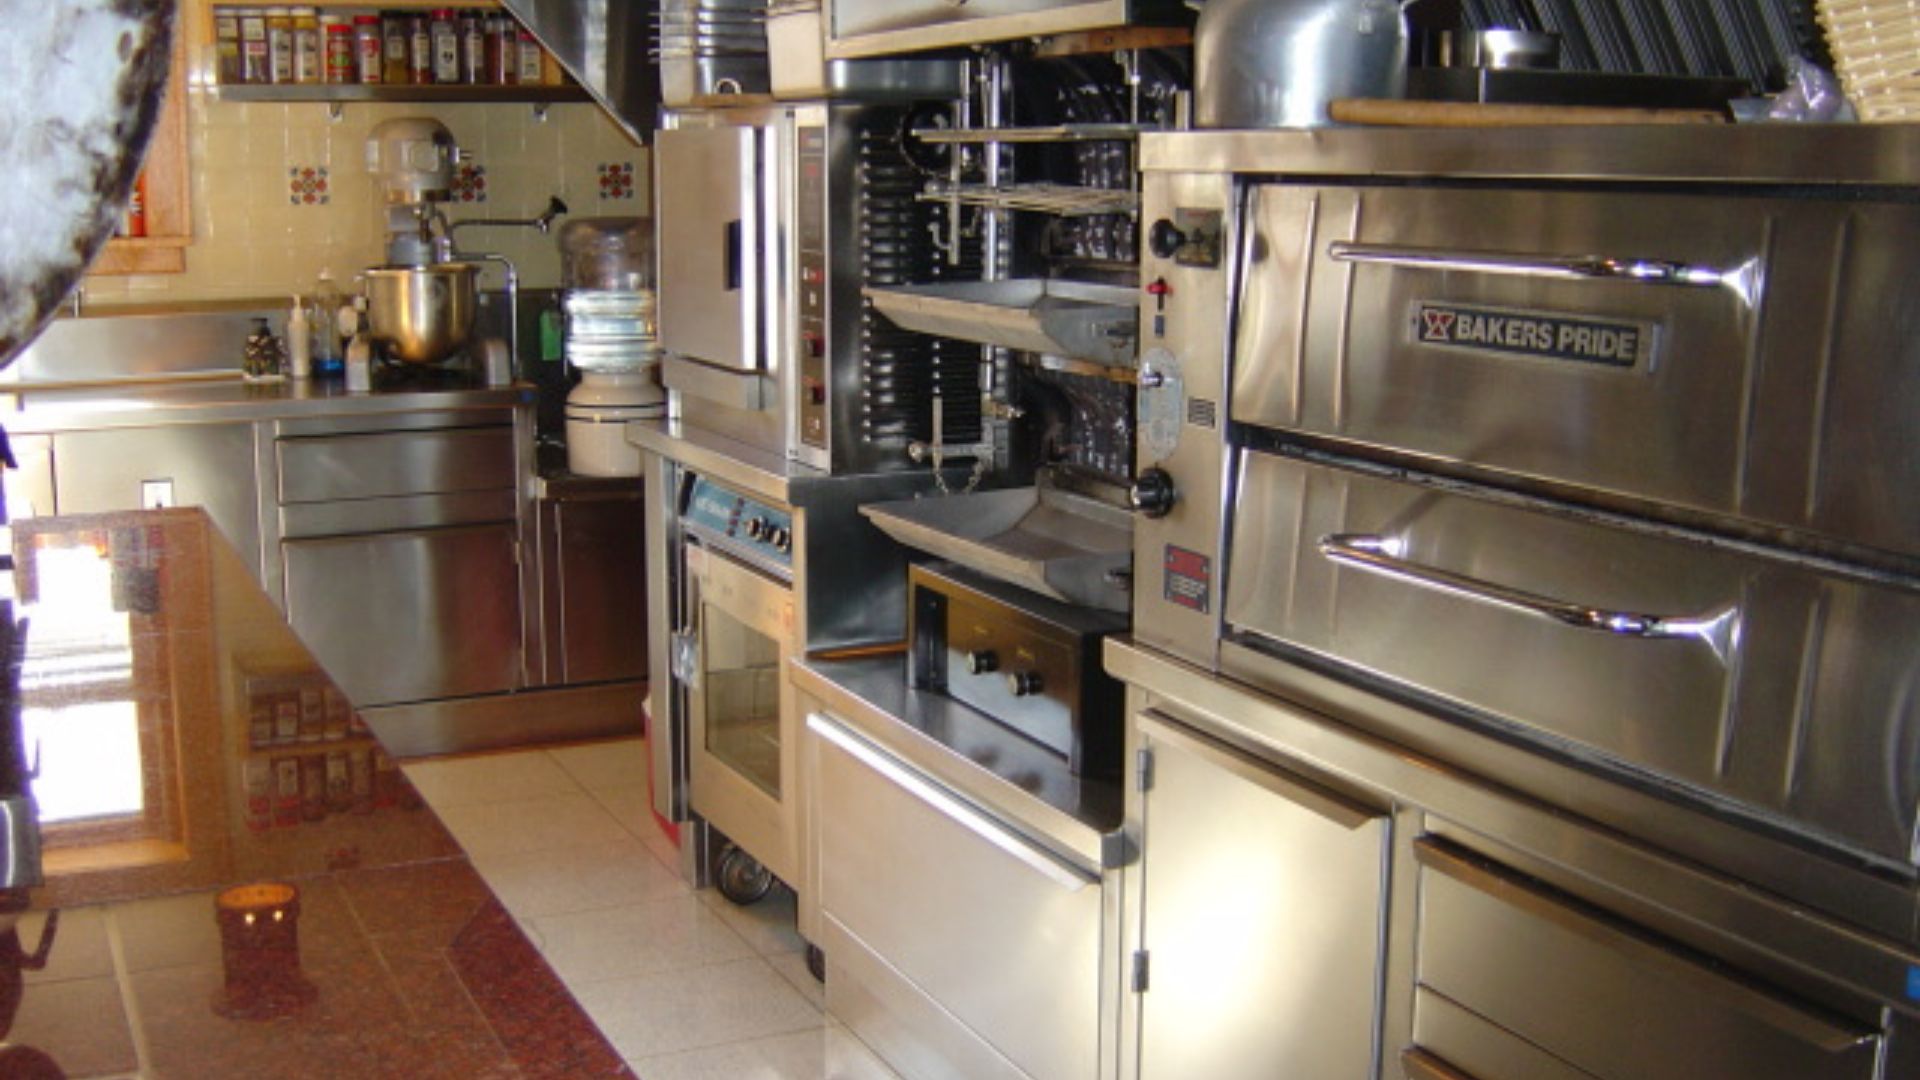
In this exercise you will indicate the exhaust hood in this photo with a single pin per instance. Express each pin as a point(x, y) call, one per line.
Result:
point(604, 45)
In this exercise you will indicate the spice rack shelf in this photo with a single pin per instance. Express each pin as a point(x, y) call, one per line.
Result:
point(347, 93)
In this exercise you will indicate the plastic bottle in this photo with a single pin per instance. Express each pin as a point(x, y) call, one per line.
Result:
point(326, 334)
point(299, 341)
point(359, 364)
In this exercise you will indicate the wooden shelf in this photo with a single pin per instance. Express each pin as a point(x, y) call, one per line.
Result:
point(346, 93)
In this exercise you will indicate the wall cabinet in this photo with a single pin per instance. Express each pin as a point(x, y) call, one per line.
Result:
point(169, 215)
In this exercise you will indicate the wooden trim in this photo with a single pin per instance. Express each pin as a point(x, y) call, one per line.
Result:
point(169, 209)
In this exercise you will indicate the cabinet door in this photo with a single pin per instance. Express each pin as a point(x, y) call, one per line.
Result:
point(1262, 917)
point(409, 616)
point(602, 594)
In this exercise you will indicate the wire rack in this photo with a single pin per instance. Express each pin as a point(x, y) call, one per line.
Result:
point(1065, 200)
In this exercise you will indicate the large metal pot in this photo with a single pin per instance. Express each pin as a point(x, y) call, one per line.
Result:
point(1278, 63)
point(423, 314)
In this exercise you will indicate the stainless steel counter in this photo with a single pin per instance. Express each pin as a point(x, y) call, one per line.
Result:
point(750, 468)
point(203, 401)
point(1870, 154)
point(971, 753)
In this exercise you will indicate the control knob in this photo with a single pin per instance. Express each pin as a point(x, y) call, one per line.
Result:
point(780, 538)
point(756, 528)
point(1023, 683)
point(1152, 492)
point(1165, 239)
point(982, 662)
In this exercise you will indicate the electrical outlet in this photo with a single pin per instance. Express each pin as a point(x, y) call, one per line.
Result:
point(156, 494)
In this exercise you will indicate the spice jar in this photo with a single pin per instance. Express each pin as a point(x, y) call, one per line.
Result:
point(446, 46)
point(254, 67)
point(473, 48)
point(369, 48)
point(503, 56)
point(226, 45)
point(279, 45)
point(393, 32)
point(337, 41)
point(530, 65)
point(419, 50)
point(306, 45)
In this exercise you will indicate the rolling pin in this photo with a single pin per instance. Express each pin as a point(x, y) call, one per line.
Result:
point(1396, 113)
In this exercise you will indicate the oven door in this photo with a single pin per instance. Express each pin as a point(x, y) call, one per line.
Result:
point(740, 706)
point(1754, 680)
point(713, 233)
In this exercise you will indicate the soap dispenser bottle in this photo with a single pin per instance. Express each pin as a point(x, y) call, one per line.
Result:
point(299, 341)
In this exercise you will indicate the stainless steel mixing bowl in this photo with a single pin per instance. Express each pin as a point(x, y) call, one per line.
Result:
point(422, 314)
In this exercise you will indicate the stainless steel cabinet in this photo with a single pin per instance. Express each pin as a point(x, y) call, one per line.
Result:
point(593, 587)
point(978, 946)
point(1262, 915)
point(206, 465)
point(399, 552)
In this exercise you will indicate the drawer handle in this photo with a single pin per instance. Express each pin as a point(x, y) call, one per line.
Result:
point(1381, 555)
point(1784, 1016)
point(1560, 267)
point(1062, 873)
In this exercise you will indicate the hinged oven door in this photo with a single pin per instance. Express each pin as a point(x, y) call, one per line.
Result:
point(712, 225)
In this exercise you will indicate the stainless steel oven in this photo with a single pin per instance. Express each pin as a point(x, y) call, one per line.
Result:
point(729, 663)
point(1580, 462)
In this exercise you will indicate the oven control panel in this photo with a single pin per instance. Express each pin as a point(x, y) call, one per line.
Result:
point(811, 235)
point(759, 533)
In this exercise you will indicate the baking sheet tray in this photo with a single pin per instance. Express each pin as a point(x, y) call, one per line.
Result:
point(1053, 542)
point(1075, 319)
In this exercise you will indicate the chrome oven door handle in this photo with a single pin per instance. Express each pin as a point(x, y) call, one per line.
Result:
point(1380, 555)
point(1561, 267)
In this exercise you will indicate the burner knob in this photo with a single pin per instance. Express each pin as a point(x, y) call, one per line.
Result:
point(1165, 239)
point(779, 538)
point(1023, 683)
point(1152, 493)
point(756, 528)
point(982, 662)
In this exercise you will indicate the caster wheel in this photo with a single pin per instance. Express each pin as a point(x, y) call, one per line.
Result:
point(816, 962)
point(740, 877)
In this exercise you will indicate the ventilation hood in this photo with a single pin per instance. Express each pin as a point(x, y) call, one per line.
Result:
point(604, 45)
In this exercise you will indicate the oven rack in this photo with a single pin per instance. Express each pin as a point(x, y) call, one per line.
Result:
point(1066, 200)
point(1048, 134)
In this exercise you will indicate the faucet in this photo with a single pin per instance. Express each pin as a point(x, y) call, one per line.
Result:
point(542, 222)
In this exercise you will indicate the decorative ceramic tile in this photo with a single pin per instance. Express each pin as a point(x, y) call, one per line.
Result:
point(307, 185)
point(469, 183)
point(616, 179)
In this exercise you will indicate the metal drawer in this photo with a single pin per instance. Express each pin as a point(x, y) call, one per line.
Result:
point(1518, 983)
point(366, 466)
point(1004, 934)
point(1753, 680)
point(1488, 327)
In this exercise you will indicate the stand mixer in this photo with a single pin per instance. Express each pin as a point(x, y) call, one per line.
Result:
point(421, 303)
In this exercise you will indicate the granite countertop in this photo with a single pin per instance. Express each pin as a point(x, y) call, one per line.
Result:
point(188, 744)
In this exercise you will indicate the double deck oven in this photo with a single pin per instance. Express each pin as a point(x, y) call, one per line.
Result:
point(1582, 467)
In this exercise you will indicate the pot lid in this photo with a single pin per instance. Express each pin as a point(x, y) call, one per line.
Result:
point(93, 74)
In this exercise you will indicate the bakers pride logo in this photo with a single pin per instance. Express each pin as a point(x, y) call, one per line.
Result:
point(1538, 334)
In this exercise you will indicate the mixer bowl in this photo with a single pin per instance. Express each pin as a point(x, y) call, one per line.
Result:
point(422, 314)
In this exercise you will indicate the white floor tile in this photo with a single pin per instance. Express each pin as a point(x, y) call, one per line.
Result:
point(531, 824)
point(792, 967)
point(489, 778)
point(638, 939)
point(555, 881)
point(800, 1056)
point(631, 807)
point(696, 1007)
point(847, 1058)
point(611, 764)
point(767, 923)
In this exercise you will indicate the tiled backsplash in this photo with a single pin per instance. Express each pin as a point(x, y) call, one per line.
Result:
point(281, 191)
